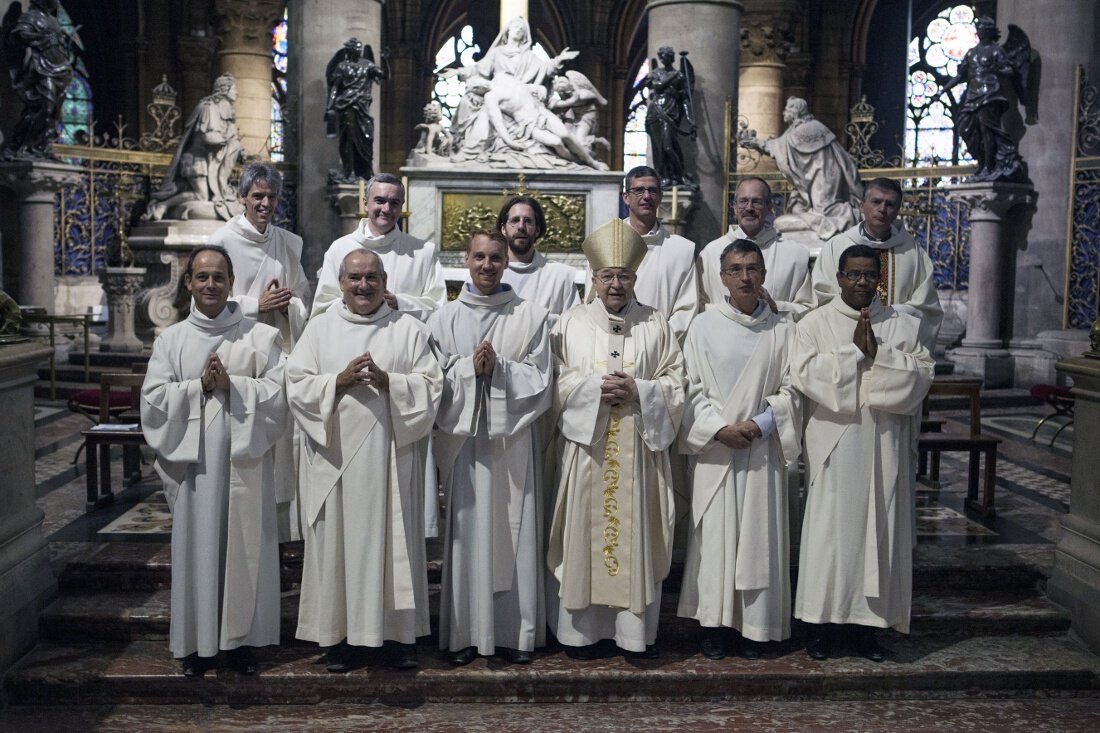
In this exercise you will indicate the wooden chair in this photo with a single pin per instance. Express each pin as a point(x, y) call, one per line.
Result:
point(99, 439)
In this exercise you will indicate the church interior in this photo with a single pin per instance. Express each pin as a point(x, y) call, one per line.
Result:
point(1006, 564)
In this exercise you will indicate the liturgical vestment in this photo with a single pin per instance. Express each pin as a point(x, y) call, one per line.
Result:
point(855, 562)
point(610, 543)
point(737, 572)
point(553, 285)
point(787, 264)
point(485, 446)
point(364, 576)
point(666, 279)
point(214, 455)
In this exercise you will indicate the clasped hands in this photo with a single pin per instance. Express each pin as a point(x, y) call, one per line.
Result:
point(363, 370)
point(214, 375)
point(275, 298)
point(864, 336)
point(618, 388)
point(485, 358)
point(739, 435)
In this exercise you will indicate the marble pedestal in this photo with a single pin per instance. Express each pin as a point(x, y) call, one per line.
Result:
point(35, 184)
point(121, 284)
point(1000, 218)
point(27, 583)
point(345, 198)
point(162, 248)
point(1075, 580)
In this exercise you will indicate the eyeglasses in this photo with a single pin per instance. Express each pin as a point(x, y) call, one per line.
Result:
point(639, 190)
point(751, 203)
point(624, 278)
point(737, 270)
point(857, 275)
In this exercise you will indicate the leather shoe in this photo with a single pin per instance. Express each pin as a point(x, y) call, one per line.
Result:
point(584, 653)
point(649, 653)
point(464, 656)
point(242, 660)
point(515, 656)
point(868, 648)
point(820, 648)
point(711, 646)
point(750, 649)
point(194, 666)
point(338, 658)
point(403, 656)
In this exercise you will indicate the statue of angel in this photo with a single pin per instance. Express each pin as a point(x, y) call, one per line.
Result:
point(577, 103)
point(350, 75)
point(998, 79)
point(669, 108)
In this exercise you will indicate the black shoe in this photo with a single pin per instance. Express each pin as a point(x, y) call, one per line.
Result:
point(464, 656)
point(242, 660)
point(584, 653)
point(515, 656)
point(338, 658)
point(403, 656)
point(868, 648)
point(712, 645)
point(751, 649)
point(194, 666)
point(820, 648)
point(649, 653)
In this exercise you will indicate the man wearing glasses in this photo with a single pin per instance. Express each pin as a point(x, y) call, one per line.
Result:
point(787, 262)
point(863, 371)
point(906, 280)
point(666, 278)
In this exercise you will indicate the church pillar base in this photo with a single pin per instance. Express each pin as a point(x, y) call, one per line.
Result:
point(993, 365)
point(346, 199)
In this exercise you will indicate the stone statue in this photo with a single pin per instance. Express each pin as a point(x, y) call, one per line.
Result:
point(998, 79)
point(503, 119)
point(435, 139)
point(197, 183)
point(11, 318)
point(40, 62)
point(350, 75)
point(826, 184)
point(577, 102)
point(669, 107)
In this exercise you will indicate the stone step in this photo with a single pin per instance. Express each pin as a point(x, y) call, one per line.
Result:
point(143, 672)
point(134, 615)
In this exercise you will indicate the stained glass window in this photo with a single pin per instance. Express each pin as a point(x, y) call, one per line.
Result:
point(934, 57)
point(276, 143)
point(635, 140)
point(76, 108)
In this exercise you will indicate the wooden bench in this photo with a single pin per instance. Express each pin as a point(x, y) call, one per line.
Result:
point(976, 446)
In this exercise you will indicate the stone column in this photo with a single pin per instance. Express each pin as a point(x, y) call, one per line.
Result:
point(121, 284)
point(704, 28)
point(244, 35)
point(26, 582)
point(998, 212)
point(347, 202)
point(318, 29)
point(36, 184)
point(1075, 579)
point(765, 42)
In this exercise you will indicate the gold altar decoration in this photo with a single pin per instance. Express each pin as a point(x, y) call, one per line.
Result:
point(465, 211)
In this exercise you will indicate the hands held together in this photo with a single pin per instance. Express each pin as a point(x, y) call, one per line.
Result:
point(363, 370)
point(864, 336)
point(618, 388)
point(739, 435)
point(275, 298)
point(214, 375)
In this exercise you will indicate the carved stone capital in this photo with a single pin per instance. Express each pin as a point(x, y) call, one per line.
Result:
point(993, 201)
point(766, 38)
point(28, 178)
point(245, 25)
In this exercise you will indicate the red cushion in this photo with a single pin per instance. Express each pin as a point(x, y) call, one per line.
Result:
point(1047, 392)
point(88, 399)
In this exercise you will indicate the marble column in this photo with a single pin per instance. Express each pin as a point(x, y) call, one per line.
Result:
point(1066, 33)
point(1075, 579)
point(27, 583)
point(998, 213)
point(347, 203)
point(704, 28)
point(121, 284)
point(765, 42)
point(35, 185)
point(317, 30)
point(244, 35)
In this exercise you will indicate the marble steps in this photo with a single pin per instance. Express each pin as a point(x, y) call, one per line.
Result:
point(133, 615)
point(947, 667)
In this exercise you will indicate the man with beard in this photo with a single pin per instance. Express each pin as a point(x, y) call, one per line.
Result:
point(534, 278)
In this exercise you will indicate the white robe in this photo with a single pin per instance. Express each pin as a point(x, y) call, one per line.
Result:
point(257, 259)
point(787, 264)
point(214, 456)
point(666, 279)
point(907, 283)
point(415, 276)
point(855, 562)
point(544, 282)
point(413, 271)
point(485, 446)
point(737, 572)
point(364, 575)
point(611, 530)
